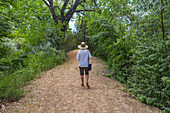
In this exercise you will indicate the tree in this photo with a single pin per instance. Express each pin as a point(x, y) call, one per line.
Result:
point(132, 35)
point(69, 7)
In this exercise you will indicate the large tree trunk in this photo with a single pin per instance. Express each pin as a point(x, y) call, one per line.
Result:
point(69, 14)
point(65, 18)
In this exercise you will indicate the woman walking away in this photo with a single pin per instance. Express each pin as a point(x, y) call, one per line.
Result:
point(83, 57)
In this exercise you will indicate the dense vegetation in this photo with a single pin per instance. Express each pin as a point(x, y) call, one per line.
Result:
point(33, 34)
point(132, 36)
point(30, 43)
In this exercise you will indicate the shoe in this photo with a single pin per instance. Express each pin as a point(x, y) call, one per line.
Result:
point(88, 86)
point(82, 85)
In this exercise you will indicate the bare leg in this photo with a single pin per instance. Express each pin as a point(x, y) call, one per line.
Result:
point(87, 78)
point(82, 79)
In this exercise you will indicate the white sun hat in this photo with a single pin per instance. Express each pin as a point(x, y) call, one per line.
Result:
point(82, 46)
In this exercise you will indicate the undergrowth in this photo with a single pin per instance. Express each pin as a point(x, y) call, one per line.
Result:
point(12, 81)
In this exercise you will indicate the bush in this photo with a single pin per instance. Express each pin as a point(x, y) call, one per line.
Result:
point(11, 83)
point(140, 62)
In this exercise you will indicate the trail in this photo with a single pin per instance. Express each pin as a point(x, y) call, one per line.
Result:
point(59, 91)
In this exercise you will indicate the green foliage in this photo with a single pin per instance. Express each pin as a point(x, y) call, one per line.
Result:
point(72, 41)
point(3, 50)
point(24, 65)
point(132, 36)
point(4, 19)
point(151, 71)
point(30, 43)
point(104, 35)
point(11, 83)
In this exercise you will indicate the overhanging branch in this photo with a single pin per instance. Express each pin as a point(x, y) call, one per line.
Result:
point(46, 3)
point(82, 5)
point(50, 2)
point(86, 10)
point(82, 13)
point(57, 7)
point(80, 2)
point(64, 6)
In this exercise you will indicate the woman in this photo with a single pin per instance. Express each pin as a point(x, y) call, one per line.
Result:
point(83, 57)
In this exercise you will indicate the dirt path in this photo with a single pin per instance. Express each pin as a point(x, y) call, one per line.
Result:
point(59, 91)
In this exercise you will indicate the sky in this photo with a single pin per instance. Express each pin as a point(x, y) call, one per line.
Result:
point(71, 25)
point(72, 22)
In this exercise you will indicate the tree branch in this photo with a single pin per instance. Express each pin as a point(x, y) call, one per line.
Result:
point(80, 2)
point(95, 2)
point(64, 6)
point(158, 20)
point(128, 17)
point(51, 7)
point(46, 3)
point(86, 10)
point(51, 2)
point(72, 9)
point(63, 9)
point(57, 7)
point(82, 5)
point(83, 14)
point(65, 18)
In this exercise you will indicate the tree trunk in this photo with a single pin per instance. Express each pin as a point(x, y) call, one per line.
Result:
point(162, 26)
point(162, 22)
point(55, 18)
point(65, 18)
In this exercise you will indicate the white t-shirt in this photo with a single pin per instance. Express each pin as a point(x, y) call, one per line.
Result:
point(82, 57)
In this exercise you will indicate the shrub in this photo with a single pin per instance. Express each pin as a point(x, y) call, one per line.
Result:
point(11, 83)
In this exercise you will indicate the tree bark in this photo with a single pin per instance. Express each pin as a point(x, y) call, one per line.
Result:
point(55, 18)
point(162, 22)
point(162, 26)
point(69, 14)
point(51, 7)
point(67, 17)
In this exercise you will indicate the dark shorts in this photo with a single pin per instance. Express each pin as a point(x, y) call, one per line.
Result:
point(82, 69)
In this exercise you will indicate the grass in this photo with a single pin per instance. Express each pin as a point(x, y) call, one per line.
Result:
point(11, 84)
